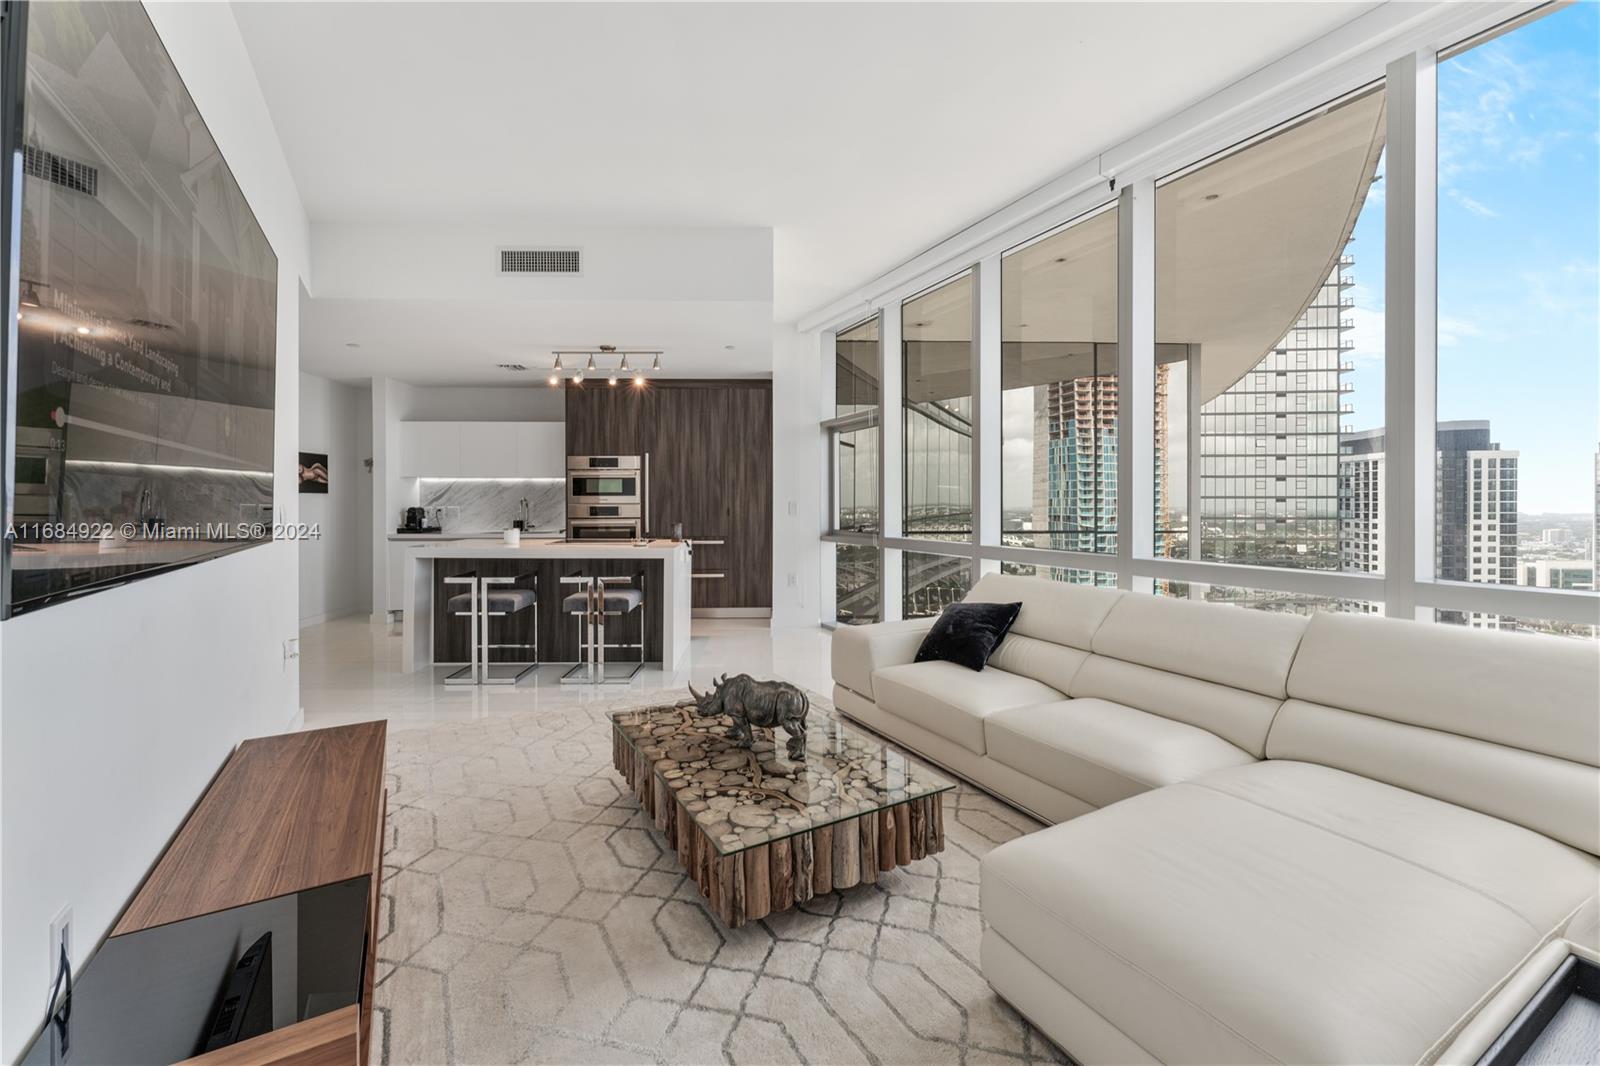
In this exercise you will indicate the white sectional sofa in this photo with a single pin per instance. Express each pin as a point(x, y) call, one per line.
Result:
point(1342, 839)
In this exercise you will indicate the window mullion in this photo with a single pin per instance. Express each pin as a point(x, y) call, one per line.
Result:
point(1410, 330)
point(1136, 355)
point(987, 435)
point(891, 456)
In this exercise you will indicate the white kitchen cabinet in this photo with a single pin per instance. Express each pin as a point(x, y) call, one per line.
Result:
point(541, 449)
point(488, 449)
point(483, 449)
point(430, 449)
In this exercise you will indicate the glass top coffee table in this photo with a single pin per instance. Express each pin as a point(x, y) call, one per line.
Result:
point(759, 832)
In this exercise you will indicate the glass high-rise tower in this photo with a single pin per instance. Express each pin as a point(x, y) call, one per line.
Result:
point(1269, 445)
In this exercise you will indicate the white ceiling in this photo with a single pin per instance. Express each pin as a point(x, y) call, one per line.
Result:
point(449, 342)
point(859, 133)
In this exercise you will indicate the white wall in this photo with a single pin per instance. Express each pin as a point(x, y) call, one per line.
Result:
point(116, 709)
point(336, 419)
point(797, 479)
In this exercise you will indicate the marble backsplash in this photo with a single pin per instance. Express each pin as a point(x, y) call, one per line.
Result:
point(471, 506)
point(116, 492)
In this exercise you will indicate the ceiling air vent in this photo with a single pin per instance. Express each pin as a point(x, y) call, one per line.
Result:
point(59, 170)
point(541, 261)
point(511, 366)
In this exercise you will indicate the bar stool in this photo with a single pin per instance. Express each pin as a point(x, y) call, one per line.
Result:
point(592, 605)
point(483, 600)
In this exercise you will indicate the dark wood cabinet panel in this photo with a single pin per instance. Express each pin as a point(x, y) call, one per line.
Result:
point(710, 448)
point(609, 420)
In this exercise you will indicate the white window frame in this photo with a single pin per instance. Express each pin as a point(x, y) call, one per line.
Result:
point(1397, 44)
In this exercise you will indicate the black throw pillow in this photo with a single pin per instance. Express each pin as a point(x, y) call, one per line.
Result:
point(968, 633)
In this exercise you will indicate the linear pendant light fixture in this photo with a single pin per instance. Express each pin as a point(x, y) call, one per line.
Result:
point(592, 365)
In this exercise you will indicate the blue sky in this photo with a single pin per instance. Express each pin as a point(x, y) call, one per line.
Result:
point(1519, 245)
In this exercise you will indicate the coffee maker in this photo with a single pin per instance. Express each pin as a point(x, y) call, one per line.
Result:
point(415, 520)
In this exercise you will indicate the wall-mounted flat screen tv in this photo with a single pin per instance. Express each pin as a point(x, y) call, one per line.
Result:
point(145, 354)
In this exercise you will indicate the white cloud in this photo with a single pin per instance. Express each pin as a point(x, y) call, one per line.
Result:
point(1016, 413)
point(1367, 335)
point(1477, 207)
point(1452, 330)
point(1016, 465)
point(1566, 290)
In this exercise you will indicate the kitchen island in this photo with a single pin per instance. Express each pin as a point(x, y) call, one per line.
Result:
point(432, 637)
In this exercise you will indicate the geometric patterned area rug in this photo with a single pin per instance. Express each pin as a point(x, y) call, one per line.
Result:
point(532, 915)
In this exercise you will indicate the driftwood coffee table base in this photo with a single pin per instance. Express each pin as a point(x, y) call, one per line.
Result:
point(750, 884)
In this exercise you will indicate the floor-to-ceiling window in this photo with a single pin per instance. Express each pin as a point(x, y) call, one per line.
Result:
point(853, 437)
point(936, 331)
point(936, 337)
point(1242, 280)
point(1518, 477)
point(1059, 391)
point(1269, 327)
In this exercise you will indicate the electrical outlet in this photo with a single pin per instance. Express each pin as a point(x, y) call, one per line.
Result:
point(60, 936)
point(794, 580)
point(291, 649)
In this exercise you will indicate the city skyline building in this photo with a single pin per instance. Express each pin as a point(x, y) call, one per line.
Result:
point(1475, 537)
point(1269, 445)
point(1075, 442)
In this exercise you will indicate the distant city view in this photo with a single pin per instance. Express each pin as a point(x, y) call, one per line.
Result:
point(1268, 410)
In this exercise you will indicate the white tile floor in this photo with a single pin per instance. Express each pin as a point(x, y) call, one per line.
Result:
point(350, 672)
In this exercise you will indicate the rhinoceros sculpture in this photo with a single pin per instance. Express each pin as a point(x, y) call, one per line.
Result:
point(767, 704)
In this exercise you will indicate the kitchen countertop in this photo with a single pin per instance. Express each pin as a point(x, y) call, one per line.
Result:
point(546, 547)
point(480, 535)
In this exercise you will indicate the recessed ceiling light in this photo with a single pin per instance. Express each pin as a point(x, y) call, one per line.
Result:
point(351, 344)
point(1211, 195)
point(727, 347)
point(85, 330)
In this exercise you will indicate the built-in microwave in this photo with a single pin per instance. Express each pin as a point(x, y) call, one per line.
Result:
point(607, 479)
